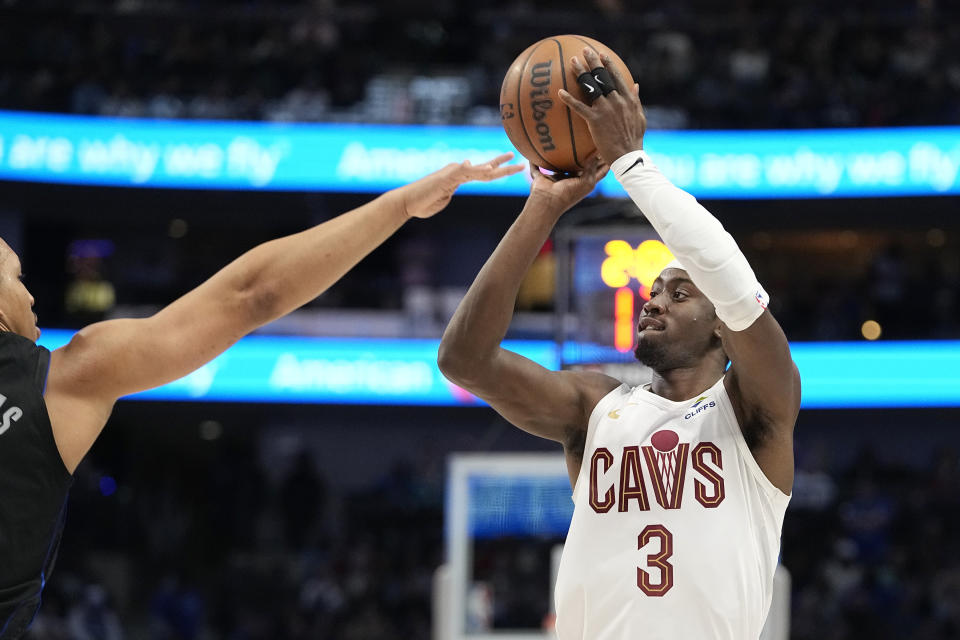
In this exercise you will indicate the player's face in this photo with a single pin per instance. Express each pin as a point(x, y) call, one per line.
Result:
point(16, 303)
point(678, 325)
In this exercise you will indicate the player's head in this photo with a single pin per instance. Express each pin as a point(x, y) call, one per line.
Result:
point(16, 303)
point(678, 325)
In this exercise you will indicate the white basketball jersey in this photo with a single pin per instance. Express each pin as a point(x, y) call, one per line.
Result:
point(676, 530)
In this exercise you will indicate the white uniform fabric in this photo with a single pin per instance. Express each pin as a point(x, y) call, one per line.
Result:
point(708, 506)
point(709, 254)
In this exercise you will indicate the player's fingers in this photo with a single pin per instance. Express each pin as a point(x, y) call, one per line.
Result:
point(599, 75)
point(595, 167)
point(591, 58)
point(552, 176)
point(537, 170)
point(601, 170)
point(619, 82)
point(578, 65)
point(578, 107)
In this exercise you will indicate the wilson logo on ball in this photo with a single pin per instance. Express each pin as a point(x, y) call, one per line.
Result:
point(540, 126)
point(540, 75)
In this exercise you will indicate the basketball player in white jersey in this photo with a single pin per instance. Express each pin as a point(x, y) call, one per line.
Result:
point(680, 485)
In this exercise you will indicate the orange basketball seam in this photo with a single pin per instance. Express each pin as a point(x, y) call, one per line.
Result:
point(563, 77)
point(596, 51)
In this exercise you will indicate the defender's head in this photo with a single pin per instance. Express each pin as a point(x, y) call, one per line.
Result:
point(678, 325)
point(16, 303)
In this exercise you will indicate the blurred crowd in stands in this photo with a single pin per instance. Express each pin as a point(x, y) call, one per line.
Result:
point(177, 553)
point(212, 545)
point(747, 64)
point(873, 550)
point(824, 285)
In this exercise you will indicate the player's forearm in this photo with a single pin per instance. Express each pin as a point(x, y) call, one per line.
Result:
point(708, 253)
point(283, 274)
point(480, 322)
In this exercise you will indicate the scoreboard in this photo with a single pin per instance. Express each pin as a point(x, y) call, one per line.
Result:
point(604, 276)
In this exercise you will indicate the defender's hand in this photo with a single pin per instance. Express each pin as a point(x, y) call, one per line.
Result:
point(430, 194)
point(616, 120)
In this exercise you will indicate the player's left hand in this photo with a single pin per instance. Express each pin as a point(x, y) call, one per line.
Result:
point(616, 120)
point(430, 194)
point(562, 192)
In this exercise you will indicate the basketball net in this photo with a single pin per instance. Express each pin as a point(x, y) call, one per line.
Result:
point(667, 463)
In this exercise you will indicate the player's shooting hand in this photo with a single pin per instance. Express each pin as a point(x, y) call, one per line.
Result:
point(562, 192)
point(616, 120)
point(430, 194)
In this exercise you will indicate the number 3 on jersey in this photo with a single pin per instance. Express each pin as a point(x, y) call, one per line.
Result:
point(656, 560)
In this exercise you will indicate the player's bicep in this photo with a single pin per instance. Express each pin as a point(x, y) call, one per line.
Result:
point(115, 358)
point(111, 359)
point(545, 403)
point(765, 375)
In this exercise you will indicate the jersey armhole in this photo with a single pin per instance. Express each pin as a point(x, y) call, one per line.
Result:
point(759, 476)
point(43, 370)
point(595, 416)
point(41, 375)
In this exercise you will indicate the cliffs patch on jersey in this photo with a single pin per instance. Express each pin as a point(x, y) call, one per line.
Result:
point(699, 407)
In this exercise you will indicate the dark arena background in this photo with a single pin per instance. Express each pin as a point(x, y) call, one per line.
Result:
point(302, 486)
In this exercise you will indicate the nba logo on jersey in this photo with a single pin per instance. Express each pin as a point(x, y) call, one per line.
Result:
point(762, 298)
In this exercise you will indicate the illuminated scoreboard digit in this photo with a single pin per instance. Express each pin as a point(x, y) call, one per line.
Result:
point(626, 265)
point(610, 274)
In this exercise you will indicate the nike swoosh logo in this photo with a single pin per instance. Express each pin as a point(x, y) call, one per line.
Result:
point(599, 81)
point(638, 161)
point(590, 88)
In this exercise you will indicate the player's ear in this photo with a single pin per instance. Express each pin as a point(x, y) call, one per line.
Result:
point(718, 327)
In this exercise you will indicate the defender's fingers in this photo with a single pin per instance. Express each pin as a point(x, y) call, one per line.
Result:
point(485, 173)
point(489, 170)
point(500, 159)
point(509, 170)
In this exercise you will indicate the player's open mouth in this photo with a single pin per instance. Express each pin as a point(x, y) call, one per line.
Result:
point(651, 324)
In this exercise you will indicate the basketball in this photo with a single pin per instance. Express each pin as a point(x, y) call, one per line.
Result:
point(543, 129)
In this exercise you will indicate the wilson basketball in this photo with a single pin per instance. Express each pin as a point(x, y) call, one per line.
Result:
point(539, 125)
